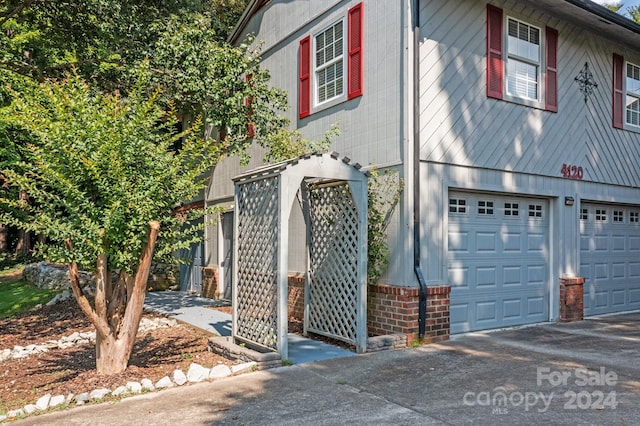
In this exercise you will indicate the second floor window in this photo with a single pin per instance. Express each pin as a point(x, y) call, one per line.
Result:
point(633, 95)
point(329, 66)
point(523, 60)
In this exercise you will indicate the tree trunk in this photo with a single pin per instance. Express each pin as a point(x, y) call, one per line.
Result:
point(112, 355)
point(24, 237)
point(114, 348)
point(4, 238)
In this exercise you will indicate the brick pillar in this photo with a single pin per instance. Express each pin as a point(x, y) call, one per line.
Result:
point(438, 327)
point(392, 309)
point(571, 299)
point(296, 297)
point(210, 282)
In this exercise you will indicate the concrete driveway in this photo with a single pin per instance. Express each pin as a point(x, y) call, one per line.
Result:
point(580, 373)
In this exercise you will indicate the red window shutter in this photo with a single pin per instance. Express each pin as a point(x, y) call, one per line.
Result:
point(551, 75)
point(355, 79)
point(304, 89)
point(618, 95)
point(495, 68)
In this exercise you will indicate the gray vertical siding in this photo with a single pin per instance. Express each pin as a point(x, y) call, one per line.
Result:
point(371, 126)
point(460, 125)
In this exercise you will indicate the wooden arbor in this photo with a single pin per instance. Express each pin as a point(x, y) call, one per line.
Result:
point(333, 196)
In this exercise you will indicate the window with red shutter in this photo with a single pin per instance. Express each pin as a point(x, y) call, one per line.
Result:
point(331, 64)
point(355, 55)
point(495, 67)
point(551, 75)
point(521, 61)
point(304, 87)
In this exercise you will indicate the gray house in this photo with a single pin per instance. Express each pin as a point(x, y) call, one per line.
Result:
point(515, 125)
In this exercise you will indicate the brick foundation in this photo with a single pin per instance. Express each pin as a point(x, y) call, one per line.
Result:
point(210, 282)
point(392, 310)
point(296, 297)
point(571, 299)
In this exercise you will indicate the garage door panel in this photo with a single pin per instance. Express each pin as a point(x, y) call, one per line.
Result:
point(512, 275)
point(512, 242)
point(486, 242)
point(458, 242)
point(512, 308)
point(497, 262)
point(618, 270)
point(618, 243)
point(537, 307)
point(536, 243)
point(618, 297)
point(609, 249)
point(634, 297)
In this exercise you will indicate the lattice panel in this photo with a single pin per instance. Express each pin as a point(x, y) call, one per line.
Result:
point(257, 239)
point(333, 262)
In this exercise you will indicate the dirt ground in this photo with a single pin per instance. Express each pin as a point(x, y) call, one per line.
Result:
point(157, 353)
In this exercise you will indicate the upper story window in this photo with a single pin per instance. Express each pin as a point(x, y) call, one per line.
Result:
point(522, 63)
point(329, 66)
point(633, 94)
point(626, 94)
point(523, 60)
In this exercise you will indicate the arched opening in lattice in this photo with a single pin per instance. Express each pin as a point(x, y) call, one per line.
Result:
point(333, 196)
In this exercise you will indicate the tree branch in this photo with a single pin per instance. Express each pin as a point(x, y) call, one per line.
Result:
point(133, 312)
point(101, 326)
point(101, 286)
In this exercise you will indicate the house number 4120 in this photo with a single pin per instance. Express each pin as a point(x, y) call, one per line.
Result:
point(572, 172)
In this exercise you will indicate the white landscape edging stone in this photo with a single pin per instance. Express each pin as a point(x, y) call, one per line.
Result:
point(78, 339)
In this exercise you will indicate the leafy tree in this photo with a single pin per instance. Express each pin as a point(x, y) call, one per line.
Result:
point(614, 6)
point(634, 13)
point(104, 185)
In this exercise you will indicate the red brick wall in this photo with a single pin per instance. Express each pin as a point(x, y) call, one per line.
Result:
point(210, 282)
point(296, 297)
point(438, 326)
point(571, 299)
point(392, 309)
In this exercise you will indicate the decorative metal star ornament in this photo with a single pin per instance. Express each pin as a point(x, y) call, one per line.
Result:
point(586, 81)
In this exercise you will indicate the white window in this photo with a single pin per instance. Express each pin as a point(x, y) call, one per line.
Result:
point(584, 214)
point(633, 95)
point(329, 63)
point(618, 216)
point(633, 217)
point(601, 215)
point(535, 210)
point(511, 209)
point(523, 60)
point(485, 207)
point(457, 205)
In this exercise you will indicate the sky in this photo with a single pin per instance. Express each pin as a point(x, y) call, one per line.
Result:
point(626, 3)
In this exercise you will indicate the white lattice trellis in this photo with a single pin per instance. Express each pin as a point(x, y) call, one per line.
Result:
point(333, 262)
point(257, 287)
point(335, 209)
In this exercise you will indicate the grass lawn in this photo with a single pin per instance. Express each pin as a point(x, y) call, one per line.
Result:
point(16, 295)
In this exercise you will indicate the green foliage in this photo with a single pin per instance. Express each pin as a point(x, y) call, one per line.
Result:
point(223, 83)
point(103, 39)
point(19, 296)
point(98, 169)
point(634, 13)
point(285, 144)
point(613, 6)
point(384, 194)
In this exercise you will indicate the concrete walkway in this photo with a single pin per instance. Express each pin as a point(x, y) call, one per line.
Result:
point(197, 311)
point(586, 373)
